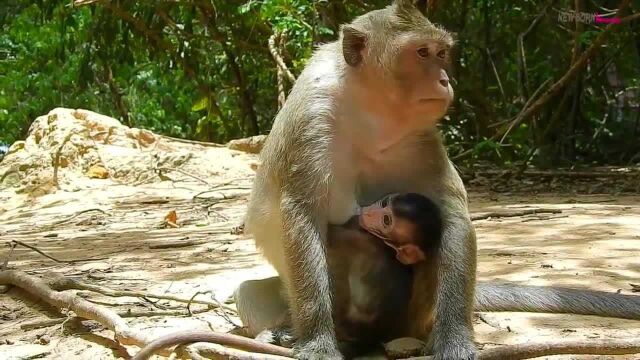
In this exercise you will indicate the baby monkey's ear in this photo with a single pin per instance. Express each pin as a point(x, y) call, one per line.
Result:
point(409, 254)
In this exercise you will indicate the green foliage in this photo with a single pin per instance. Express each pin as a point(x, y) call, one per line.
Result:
point(203, 70)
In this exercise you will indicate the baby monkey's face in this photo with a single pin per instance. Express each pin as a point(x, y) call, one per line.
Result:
point(397, 232)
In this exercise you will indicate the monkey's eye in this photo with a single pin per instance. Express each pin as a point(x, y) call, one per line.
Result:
point(384, 202)
point(386, 220)
point(423, 52)
point(442, 54)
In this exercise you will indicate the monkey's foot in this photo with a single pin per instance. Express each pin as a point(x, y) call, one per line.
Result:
point(454, 343)
point(456, 350)
point(318, 348)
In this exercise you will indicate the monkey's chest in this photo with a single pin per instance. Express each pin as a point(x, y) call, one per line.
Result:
point(360, 178)
point(399, 172)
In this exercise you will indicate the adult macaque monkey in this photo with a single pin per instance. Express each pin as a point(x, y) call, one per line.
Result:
point(360, 122)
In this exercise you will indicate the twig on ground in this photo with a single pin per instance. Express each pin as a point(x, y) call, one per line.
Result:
point(161, 169)
point(493, 323)
point(193, 297)
point(5, 263)
point(534, 350)
point(224, 197)
point(175, 244)
point(123, 333)
point(76, 215)
point(55, 259)
point(564, 173)
point(124, 314)
point(514, 213)
point(218, 187)
point(222, 307)
point(544, 218)
point(59, 282)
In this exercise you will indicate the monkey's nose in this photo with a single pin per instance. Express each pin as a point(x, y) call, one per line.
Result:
point(444, 78)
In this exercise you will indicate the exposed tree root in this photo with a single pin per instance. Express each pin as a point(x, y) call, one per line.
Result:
point(127, 336)
point(190, 336)
point(514, 213)
point(80, 306)
point(122, 332)
point(534, 350)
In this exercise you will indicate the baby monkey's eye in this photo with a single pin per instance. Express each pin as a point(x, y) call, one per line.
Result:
point(423, 52)
point(384, 202)
point(442, 54)
point(386, 220)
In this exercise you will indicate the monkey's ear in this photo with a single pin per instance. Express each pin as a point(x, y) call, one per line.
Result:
point(409, 254)
point(353, 43)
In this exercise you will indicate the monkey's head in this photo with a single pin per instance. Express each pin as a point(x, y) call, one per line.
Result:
point(398, 56)
point(409, 223)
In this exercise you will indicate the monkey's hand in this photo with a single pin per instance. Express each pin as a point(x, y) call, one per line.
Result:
point(282, 336)
point(319, 348)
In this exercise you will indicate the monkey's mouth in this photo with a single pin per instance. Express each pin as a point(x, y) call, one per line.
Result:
point(432, 101)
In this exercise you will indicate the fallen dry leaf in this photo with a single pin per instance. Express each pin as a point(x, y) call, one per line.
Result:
point(97, 172)
point(171, 219)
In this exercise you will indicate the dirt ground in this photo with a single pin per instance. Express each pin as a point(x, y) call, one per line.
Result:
point(594, 243)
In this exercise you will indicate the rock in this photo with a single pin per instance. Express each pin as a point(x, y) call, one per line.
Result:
point(252, 144)
point(72, 150)
point(98, 172)
point(403, 348)
point(44, 339)
point(67, 145)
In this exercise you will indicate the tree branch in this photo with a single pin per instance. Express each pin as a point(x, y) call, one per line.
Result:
point(159, 43)
point(278, 59)
point(580, 63)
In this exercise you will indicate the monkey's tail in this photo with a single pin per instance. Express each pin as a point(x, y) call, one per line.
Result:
point(547, 299)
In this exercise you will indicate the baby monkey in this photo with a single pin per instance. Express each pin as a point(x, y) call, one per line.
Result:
point(370, 262)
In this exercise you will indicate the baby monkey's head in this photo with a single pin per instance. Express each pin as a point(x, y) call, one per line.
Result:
point(410, 223)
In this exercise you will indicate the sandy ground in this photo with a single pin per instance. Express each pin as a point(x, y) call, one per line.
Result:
point(593, 244)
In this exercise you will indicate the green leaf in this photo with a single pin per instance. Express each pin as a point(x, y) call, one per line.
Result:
point(201, 104)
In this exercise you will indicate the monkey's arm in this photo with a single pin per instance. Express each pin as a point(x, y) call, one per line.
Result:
point(513, 297)
point(305, 229)
point(452, 336)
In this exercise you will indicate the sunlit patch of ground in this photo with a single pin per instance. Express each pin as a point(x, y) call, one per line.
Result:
point(594, 243)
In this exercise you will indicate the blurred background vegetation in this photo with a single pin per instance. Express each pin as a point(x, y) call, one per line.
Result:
point(203, 69)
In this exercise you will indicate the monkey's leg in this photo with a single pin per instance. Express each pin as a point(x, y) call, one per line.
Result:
point(308, 283)
point(292, 240)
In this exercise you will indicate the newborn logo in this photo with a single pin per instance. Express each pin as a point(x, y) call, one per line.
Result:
point(603, 20)
point(587, 18)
